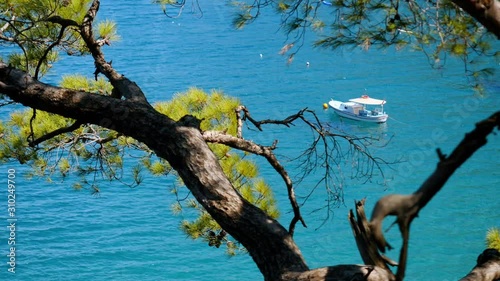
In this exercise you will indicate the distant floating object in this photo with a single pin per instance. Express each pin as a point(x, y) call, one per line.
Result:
point(307, 63)
point(356, 109)
point(261, 55)
point(327, 3)
point(325, 106)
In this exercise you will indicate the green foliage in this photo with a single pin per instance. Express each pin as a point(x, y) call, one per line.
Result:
point(89, 151)
point(245, 15)
point(421, 24)
point(159, 167)
point(107, 30)
point(82, 83)
point(493, 238)
point(437, 28)
point(215, 109)
point(242, 19)
point(37, 42)
point(282, 6)
point(165, 3)
point(67, 9)
point(218, 113)
point(16, 132)
point(92, 152)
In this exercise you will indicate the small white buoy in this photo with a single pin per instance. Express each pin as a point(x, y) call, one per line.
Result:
point(307, 63)
point(261, 56)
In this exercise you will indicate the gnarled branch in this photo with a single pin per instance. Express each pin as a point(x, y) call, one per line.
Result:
point(487, 267)
point(331, 153)
point(345, 272)
point(267, 152)
point(407, 207)
point(364, 238)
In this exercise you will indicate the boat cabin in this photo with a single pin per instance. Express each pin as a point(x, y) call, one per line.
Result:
point(358, 109)
point(352, 107)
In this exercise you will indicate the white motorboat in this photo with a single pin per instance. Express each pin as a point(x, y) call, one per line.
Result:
point(357, 109)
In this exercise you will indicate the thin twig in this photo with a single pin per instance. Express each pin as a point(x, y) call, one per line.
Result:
point(54, 133)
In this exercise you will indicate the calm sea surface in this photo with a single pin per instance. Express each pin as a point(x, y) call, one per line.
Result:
point(131, 234)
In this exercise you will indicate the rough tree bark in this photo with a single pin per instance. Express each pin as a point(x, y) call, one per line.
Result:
point(487, 12)
point(487, 267)
point(270, 245)
point(268, 242)
point(180, 143)
point(369, 235)
point(185, 147)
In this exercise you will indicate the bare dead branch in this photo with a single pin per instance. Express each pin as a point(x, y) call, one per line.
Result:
point(266, 152)
point(364, 238)
point(325, 153)
point(258, 124)
point(407, 207)
point(4, 27)
point(239, 121)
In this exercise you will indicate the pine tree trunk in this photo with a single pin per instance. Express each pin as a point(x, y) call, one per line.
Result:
point(267, 241)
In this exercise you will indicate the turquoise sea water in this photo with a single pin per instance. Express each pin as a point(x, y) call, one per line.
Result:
point(130, 234)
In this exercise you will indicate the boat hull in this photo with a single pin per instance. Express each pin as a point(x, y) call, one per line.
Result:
point(371, 118)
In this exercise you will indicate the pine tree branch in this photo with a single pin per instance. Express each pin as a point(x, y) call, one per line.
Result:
point(122, 85)
point(55, 133)
point(487, 12)
point(65, 24)
point(487, 267)
point(266, 152)
point(4, 27)
point(62, 21)
point(407, 207)
point(258, 124)
point(7, 89)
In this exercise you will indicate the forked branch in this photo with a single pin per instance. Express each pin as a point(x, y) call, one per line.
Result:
point(322, 138)
point(407, 207)
point(364, 238)
point(258, 124)
point(266, 152)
